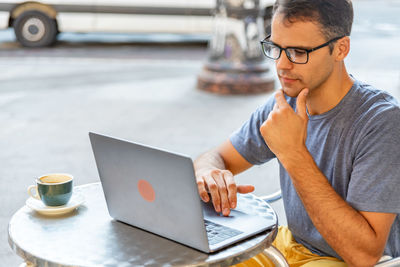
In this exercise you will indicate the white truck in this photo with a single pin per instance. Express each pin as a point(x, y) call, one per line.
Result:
point(37, 23)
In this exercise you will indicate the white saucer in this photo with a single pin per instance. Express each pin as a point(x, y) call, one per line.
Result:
point(76, 200)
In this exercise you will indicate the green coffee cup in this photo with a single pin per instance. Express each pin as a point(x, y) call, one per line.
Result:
point(53, 189)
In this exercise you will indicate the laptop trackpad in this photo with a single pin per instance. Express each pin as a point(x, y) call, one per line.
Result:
point(209, 212)
point(237, 219)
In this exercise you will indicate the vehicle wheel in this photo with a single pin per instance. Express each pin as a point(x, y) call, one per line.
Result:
point(35, 29)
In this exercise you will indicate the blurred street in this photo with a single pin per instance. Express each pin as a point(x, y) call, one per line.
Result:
point(141, 88)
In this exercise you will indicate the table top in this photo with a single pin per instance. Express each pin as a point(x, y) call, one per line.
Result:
point(88, 236)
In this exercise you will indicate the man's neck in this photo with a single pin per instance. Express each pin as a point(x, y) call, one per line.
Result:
point(330, 93)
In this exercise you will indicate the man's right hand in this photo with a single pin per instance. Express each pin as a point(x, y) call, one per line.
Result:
point(222, 188)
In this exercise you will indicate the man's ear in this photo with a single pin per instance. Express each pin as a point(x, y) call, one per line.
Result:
point(342, 48)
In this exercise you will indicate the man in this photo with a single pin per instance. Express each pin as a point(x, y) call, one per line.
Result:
point(336, 140)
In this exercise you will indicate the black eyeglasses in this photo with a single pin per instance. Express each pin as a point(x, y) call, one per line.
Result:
point(294, 54)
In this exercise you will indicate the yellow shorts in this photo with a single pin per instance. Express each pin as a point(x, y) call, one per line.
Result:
point(296, 254)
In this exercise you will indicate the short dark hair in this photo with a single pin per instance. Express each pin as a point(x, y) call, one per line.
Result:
point(334, 16)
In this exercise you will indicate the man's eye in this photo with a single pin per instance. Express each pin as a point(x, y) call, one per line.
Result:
point(300, 52)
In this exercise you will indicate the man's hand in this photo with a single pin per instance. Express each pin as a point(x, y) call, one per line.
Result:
point(222, 187)
point(285, 131)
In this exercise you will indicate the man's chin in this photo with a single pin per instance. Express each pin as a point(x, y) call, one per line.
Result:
point(291, 92)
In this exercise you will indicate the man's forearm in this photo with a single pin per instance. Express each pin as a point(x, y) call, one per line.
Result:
point(343, 227)
point(209, 160)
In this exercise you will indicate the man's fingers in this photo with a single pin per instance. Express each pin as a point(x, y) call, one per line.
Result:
point(213, 188)
point(244, 189)
point(280, 99)
point(223, 189)
point(232, 189)
point(223, 192)
point(202, 190)
point(301, 106)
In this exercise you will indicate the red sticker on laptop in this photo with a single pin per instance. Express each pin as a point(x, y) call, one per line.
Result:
point(146, 190)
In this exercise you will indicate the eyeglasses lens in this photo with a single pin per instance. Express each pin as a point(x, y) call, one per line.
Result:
point(294, 54)
point(297, 55)
point(271, 51)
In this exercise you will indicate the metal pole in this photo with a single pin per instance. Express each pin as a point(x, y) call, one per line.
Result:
point(236, 64)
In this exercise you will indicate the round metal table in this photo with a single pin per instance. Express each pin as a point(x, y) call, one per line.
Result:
point(88, 236)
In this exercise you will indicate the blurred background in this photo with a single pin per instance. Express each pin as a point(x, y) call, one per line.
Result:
point(133, 69)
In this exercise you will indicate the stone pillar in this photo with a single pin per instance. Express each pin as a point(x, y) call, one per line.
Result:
point(236, 64)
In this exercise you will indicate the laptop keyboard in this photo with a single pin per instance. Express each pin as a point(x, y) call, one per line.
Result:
point(217, 233)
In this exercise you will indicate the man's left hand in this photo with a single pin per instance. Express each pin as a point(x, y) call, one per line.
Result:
point(285, 131)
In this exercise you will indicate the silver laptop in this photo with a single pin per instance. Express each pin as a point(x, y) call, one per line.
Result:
point(156, 190)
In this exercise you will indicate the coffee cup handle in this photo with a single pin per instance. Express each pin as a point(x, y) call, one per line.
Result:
point(36, 196)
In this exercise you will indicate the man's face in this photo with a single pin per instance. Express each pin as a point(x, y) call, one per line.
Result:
point(303, 34)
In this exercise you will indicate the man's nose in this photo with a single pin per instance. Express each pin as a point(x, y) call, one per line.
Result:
point(283, 62)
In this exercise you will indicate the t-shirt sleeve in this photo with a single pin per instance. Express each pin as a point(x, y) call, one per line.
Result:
point(375, 180)
point(248, 140)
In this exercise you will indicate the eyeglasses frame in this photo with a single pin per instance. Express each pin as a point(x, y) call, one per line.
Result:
point(266, 41)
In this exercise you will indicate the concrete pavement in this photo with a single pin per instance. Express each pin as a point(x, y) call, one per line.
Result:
point(49, 102)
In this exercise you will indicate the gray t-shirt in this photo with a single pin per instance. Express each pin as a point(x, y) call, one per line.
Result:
point(357, 147)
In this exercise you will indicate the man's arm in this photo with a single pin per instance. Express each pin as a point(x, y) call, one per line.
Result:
point(358, 237)
point(214, 173)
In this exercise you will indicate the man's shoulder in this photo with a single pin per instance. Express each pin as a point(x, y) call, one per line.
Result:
point(367, 93)
point(372, 102)
point(373, 112)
